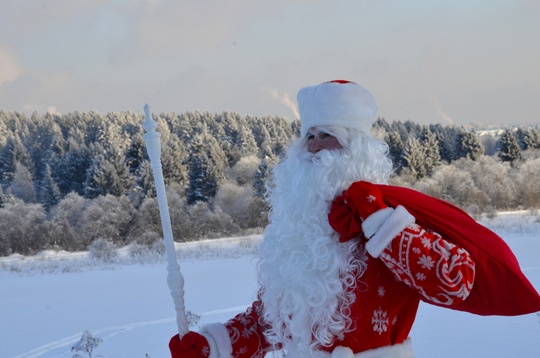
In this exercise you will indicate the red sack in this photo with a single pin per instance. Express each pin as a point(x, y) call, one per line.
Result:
point(500, 287)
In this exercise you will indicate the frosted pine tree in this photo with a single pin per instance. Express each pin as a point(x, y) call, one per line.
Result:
point(12, 152)
point(414, 158)
point(206, 168)
point(22, 185)
point(531, 139)
point(470, 146)
point(509, 150)
point(47, 192)
point(432, 157)
point(396, 149)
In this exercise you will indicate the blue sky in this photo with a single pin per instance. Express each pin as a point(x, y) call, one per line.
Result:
point(460, 62)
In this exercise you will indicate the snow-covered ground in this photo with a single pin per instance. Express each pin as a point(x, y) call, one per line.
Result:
point(46, 302)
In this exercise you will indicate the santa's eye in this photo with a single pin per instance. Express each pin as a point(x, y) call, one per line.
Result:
point(325, 136)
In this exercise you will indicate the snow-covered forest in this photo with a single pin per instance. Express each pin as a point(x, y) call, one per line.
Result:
point(79, 179)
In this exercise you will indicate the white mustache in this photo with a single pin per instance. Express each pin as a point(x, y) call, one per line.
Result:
point(324, 157)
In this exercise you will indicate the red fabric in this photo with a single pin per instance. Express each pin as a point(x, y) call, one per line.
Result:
point(192, 345)
point(343, 221)
point(500, 287)
point(364, 198)
point(247, 334)
point(342, 82)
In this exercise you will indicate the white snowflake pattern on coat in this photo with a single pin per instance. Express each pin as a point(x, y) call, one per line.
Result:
point(380, 320)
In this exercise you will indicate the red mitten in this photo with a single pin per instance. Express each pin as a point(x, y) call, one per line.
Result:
point(192, 345)
point(364, 199)
point(342, 219)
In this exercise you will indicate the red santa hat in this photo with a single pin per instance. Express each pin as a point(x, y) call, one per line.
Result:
point(336, 103)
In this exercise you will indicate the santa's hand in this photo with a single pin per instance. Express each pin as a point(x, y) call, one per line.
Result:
point(380, 223)
point(342, 219)
point(192, 345)
point(364, 199)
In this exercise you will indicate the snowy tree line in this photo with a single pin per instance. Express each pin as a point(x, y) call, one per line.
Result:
point(479, 173)
point(69, 180)
point(419, 149)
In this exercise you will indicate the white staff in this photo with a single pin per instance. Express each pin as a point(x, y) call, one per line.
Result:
point(174, 276)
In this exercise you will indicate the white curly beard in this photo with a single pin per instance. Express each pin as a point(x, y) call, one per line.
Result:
point(306, 275)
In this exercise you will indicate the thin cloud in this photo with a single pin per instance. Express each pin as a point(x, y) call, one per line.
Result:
point(286, 100)
point(10, 68)
point(441, 113)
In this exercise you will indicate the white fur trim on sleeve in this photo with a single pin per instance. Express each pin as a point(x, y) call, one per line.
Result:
point(373, 223)
point(218, 340)
point(342, 352)
point(395, 223)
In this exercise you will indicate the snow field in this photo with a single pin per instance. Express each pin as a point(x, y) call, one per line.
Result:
point(47, 302)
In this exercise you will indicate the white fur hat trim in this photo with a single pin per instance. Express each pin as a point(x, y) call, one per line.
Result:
point(336, 103)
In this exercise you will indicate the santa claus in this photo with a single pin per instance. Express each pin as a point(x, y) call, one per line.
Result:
point(341, 273)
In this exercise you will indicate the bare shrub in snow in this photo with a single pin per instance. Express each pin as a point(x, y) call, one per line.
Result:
point(492, 177)
point(23, 228)
point(67, 223)
point(158, 247)
point(235, 200)
point(136, 250)
point(455, 186)
point(194, 320)
point(474, 211)
point(210, 224)
point(107, 216)
point(491, 212)
point(258, 213)
point(182, 223)
point(147, 219)
point(148, 238)
point(87, 344)
point(102, 249)
point(528, 182)
point(244, 170)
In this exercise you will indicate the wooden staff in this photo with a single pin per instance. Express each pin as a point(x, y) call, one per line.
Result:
point(175, 280)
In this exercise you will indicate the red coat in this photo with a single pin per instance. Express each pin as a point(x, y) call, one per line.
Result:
point(416, 265)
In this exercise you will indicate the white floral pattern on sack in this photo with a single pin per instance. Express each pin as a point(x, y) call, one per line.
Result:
point(426, 262)
point(419, 252)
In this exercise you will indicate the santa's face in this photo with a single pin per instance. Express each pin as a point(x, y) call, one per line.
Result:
point(317, 140)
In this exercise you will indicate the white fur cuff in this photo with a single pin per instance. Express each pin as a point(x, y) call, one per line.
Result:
point(400, 350)
point(218, 340)
point(342, 352)
point(373, 223)
point(399, 219)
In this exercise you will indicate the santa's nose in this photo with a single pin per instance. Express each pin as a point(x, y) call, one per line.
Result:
point(315, 145)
